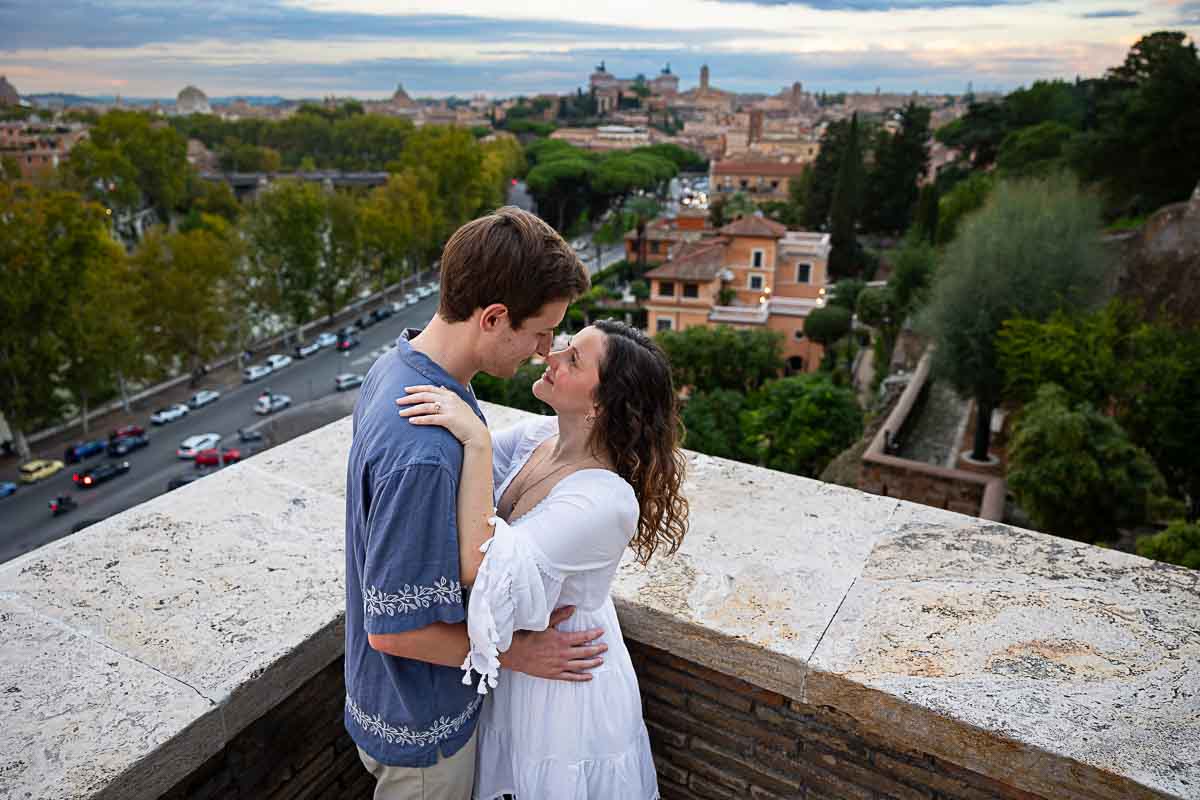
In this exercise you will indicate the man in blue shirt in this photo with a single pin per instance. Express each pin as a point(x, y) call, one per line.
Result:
point(506, 281)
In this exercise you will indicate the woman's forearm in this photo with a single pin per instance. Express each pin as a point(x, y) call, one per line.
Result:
point(475, 507)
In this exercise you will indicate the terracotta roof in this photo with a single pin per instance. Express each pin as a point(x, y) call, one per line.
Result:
point(655, 234)
point(775, 168)
point(754, 225)
point(694, 261)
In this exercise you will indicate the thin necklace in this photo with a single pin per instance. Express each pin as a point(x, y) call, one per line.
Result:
point(525, 486)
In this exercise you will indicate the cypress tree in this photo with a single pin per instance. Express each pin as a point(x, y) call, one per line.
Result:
point(926, 221)
point(843, 258)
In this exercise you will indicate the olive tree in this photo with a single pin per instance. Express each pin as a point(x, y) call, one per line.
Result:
point(1034, 248)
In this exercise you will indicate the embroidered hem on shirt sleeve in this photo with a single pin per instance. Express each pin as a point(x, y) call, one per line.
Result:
point(411, 597)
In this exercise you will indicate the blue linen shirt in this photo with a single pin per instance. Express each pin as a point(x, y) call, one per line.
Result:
point(402, 570)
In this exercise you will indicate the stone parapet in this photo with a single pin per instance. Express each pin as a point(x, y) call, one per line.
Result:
point(142, 655)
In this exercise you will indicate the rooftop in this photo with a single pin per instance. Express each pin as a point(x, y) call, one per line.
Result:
point(699, 261)
point(756, 226)
point(771, 168)
point(1054, 667)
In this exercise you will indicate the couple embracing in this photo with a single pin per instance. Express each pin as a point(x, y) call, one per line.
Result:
point(483, 654)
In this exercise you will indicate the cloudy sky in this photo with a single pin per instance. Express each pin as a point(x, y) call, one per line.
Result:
point(311, 48)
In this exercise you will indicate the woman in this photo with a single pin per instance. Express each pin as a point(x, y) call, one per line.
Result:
point(570, 493)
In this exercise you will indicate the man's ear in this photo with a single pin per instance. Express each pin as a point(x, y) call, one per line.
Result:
point(492, 316)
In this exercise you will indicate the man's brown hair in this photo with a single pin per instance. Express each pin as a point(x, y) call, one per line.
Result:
point(512, 257)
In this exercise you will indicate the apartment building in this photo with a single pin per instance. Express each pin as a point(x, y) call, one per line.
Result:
point(753, 273)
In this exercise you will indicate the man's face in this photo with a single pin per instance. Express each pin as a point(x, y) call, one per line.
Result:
point(515, 347)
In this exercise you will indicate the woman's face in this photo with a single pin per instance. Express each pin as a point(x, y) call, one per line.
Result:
point(569, 383)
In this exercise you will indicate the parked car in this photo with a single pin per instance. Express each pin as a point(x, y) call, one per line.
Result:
point(423, 292)
point(398, 305)
point(347, 380)
point(126, 445)
point(254, 372)
point(364, 322)
point(327, 339)
point(169, 414)
point(127, 430)
point(7, 488)
point(382, 313)
point(278, 361)
point(99, 474)
point(435, 286)
point(269, 404)
point(218, 457)
point(411, 298)
point(194, 444)
point(347, 343)
point(203, 397)
point(40, 469)
point(182, 479)
point(306, 350)
point(348, 330)
point(579, 244)
point(81, 450)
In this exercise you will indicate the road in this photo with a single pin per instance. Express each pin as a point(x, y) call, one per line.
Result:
point(25, 520)
point(518, 195)
point(608, 256)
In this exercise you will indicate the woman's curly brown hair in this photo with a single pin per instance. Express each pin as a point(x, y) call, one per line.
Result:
point(638, 428)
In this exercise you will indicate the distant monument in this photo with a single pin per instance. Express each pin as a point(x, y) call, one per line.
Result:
point(704, 78)
point(8, 94)
point(400, 98)
point(192, 101)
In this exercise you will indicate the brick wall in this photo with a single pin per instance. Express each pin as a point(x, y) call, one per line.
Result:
point(953, 490)
point(298, 750)
point(717, 737)
point(714, 736)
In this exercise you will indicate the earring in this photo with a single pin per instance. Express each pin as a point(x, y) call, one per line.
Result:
point(589, 419)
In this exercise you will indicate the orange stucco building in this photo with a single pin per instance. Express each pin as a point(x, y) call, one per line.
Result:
point(664, 234)
point(754, 273)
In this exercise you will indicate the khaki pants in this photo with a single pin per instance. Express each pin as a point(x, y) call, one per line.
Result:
point(450, 778)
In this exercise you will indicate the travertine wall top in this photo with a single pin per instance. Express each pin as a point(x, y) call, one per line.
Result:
point(133, 650)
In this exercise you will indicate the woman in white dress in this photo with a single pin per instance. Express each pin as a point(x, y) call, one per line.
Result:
point(554, 503)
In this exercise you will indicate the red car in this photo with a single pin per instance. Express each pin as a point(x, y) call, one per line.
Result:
point(213, 457)
point(127, 430)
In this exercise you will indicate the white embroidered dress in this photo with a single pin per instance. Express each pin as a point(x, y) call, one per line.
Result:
point(543, 738)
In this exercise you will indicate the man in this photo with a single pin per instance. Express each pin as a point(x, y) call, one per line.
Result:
point(506, 281)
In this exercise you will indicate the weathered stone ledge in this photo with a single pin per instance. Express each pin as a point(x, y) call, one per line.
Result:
point(134, 650)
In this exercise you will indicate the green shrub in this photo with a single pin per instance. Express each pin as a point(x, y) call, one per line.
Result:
point(1076, 472)
point(1178, 544)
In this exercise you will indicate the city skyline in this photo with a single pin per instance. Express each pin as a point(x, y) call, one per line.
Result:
point(364, 48)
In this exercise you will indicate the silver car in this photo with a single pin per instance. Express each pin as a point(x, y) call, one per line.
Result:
point(194, 444)
point(203, 398)
point(278, 361)
point(347, 380)
point(169, 414)
point(254, 372)
point(270, 403)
